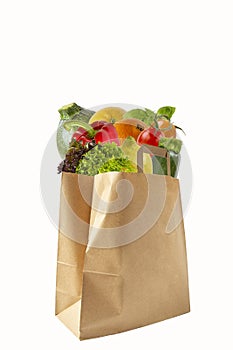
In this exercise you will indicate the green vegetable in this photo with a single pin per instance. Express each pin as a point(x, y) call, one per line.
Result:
point(68, 111)
point(147, 116)
point(69, 114)
point(171, 144)
point(97, 157)
point(160, 164)
point(73, 156)
point(166, 111)
point(119, 164)
point(73, 111)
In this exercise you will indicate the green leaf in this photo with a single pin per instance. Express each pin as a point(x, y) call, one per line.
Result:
point(147, 116)
point(166, 111)
point(150, 113)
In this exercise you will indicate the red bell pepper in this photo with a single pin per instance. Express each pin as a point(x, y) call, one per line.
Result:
point(98, 131)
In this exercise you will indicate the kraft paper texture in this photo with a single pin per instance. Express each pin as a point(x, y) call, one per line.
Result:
point(121, 252)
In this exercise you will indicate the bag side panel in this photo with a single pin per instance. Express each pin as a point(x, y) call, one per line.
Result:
point(142, 282)
point(72, 238)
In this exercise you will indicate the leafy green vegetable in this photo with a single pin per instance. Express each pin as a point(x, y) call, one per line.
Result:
point(118, 164)
point(171, 144)
point(166, 111)
point(147, 116)
point(74, 155)
point(97, 157)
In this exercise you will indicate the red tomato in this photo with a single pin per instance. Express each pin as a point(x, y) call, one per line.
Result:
point(149, 136)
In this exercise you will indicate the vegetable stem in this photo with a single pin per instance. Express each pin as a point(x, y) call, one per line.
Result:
point(156, 122)
point(79, 123)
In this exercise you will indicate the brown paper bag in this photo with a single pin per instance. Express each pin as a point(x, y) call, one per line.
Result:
point(121, 252)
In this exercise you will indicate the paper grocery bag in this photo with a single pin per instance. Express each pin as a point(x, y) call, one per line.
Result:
point(121, 252)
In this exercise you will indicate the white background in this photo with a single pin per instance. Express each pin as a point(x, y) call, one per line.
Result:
point(149, 53)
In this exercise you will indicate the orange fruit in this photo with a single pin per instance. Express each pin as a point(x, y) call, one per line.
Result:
point(129, 127)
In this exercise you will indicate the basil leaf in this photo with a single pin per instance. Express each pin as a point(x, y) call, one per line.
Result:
point(166, 111)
